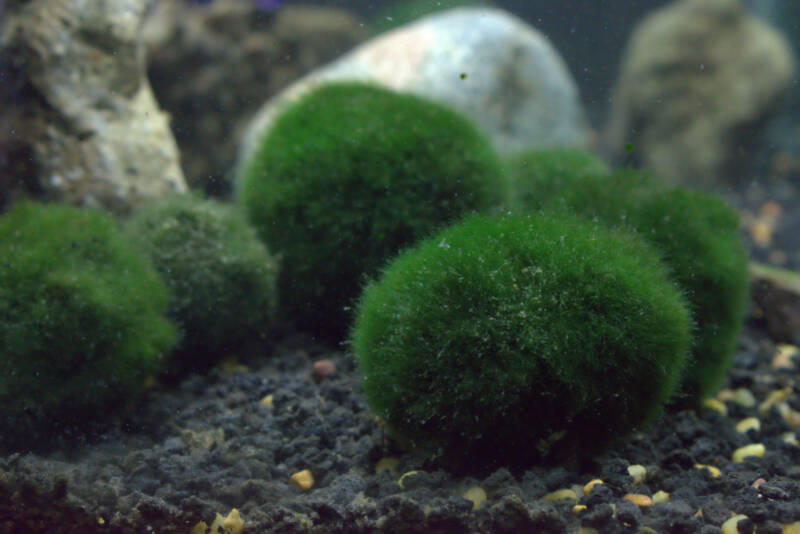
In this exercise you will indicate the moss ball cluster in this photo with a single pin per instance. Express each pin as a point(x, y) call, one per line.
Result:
point(221, 276)
point(518, 339)
point(346, 177)
point(696, 233)
point(82, 320)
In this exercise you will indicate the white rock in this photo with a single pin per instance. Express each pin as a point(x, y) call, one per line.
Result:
point(484, 62)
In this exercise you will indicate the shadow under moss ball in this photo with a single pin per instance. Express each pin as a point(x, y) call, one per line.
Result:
point(516, 340)
point(349, 175)
point(82, 321)
point(221, 275)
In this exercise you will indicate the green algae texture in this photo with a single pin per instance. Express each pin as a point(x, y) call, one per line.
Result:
point(696, 233)
point(222, 278)
point(348, 176)
point(521, 339)
point(82, 320)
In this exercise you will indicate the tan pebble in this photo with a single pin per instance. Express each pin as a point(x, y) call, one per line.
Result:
point(770, 210)
point(267, 401)
point(744, 397)
point(589, 485)
point(750, 423)
point(587, 530)
point(322, 369)
point(642, 501)
point(406, 475)
point(230, 366)
point(200, 528)
point(757, 482)
point(388, 463)
point(725, 395)
point(775, 397)
point(303, 480)
point(561, 494)
point(233, 523)
point(578, 509)
point(790, 438)
point(637, 472)
point(791, 528)
point(731, 526)
point(790, 416)
point(715, 472)
point(647, 530)
point(755, 449)
point(761, 232)
point(715, 405)
point(660, 496)
point(783, 358)
point(475, 494)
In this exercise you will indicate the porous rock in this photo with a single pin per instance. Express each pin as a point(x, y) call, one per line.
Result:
point(698, 81)
point(212, 65)
point(83, 126)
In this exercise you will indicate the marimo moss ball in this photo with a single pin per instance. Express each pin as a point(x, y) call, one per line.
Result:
point(346, 177)
point(537, 174)
point(515, 340)
point(221, 275)
point(82, 320)
point(697, 235)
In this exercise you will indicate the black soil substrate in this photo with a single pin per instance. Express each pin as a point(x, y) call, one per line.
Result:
point(234, 438)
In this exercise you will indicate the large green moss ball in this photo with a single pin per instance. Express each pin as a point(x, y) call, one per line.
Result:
point(221, 276)
point(349, 175)
point(82, 320)
point(696, 233)
point(524, 338)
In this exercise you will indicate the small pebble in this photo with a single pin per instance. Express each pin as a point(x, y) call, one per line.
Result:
point(578, 508)
point(775, 397)
point(790, 438)
point(731, 525)
point(790, 416)
point(409, 474)
point(322, 369)
point(757, 482)
point(715, 472)
point(637, 472)
point(750, 423)
point(589, 485)
point(303, 480)
point(783, 359)
point(388, 463)
point(642, 501)
point(660, 496)
point(588, 530)
point(744, 397)
point(475, 494)
point(267, 401)
point(716, 405)
point(561, 494)
point(755, 449)
point(791, 528)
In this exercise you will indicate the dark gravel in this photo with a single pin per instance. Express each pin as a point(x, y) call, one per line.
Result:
point(209, 446)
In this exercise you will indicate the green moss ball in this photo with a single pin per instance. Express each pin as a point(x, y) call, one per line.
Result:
point(525, 338)
point(698, 237)
point(346, 177)
point(82, 320)
point(537, 174)
point(221, 275)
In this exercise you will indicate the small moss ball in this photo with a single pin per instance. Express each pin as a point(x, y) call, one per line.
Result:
point(697, 235)
point(221, 275)
point(346, 177)
point(520, 339)
point(82, 320)
point(537, 174)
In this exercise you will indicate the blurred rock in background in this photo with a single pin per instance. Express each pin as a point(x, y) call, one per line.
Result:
point(699, 81)
point(213, 65)
point(80, 123)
